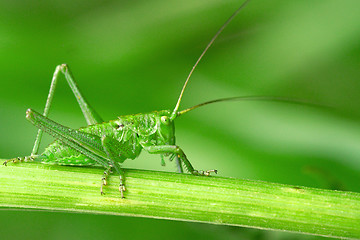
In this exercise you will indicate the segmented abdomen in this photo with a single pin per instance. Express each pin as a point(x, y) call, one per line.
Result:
point(57, 153)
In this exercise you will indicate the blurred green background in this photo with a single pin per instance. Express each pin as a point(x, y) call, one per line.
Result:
point(133, 56)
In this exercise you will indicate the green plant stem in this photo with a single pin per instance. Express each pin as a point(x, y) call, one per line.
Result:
point(216, 200)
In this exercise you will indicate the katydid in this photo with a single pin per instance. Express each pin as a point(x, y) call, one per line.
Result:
point(108, 144)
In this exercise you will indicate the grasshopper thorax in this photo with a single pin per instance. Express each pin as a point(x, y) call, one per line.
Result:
point(153, 127)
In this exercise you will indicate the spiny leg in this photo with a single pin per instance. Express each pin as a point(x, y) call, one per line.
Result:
point(116, 153)
point(122, 188)
point(104, 178)
point(177, 162)
point(90, 114)
point(180, 154)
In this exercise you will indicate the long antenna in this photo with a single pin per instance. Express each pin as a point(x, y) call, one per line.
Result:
point(255, 98)
point(173, 115)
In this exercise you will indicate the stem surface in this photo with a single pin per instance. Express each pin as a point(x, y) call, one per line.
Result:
point(216, 200)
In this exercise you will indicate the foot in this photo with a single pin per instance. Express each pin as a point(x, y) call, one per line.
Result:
point(20, 159)
point(204, 173)
point(103, 183)
point(122, 188)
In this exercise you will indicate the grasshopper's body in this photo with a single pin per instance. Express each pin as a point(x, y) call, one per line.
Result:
point(108, 144)
point(131, 131)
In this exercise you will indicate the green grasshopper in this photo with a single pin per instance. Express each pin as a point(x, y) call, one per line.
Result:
point(108, 144)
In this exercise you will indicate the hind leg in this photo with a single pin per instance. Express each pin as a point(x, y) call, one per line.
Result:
point(91, 116)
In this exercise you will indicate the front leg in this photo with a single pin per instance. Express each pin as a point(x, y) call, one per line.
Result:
point(180, 154)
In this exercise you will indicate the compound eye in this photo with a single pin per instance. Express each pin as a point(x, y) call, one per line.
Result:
point(165, 120)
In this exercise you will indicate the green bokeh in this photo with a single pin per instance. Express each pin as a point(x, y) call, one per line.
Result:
point(133, 56)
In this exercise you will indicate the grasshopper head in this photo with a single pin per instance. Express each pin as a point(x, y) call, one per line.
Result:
point(166, 128)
